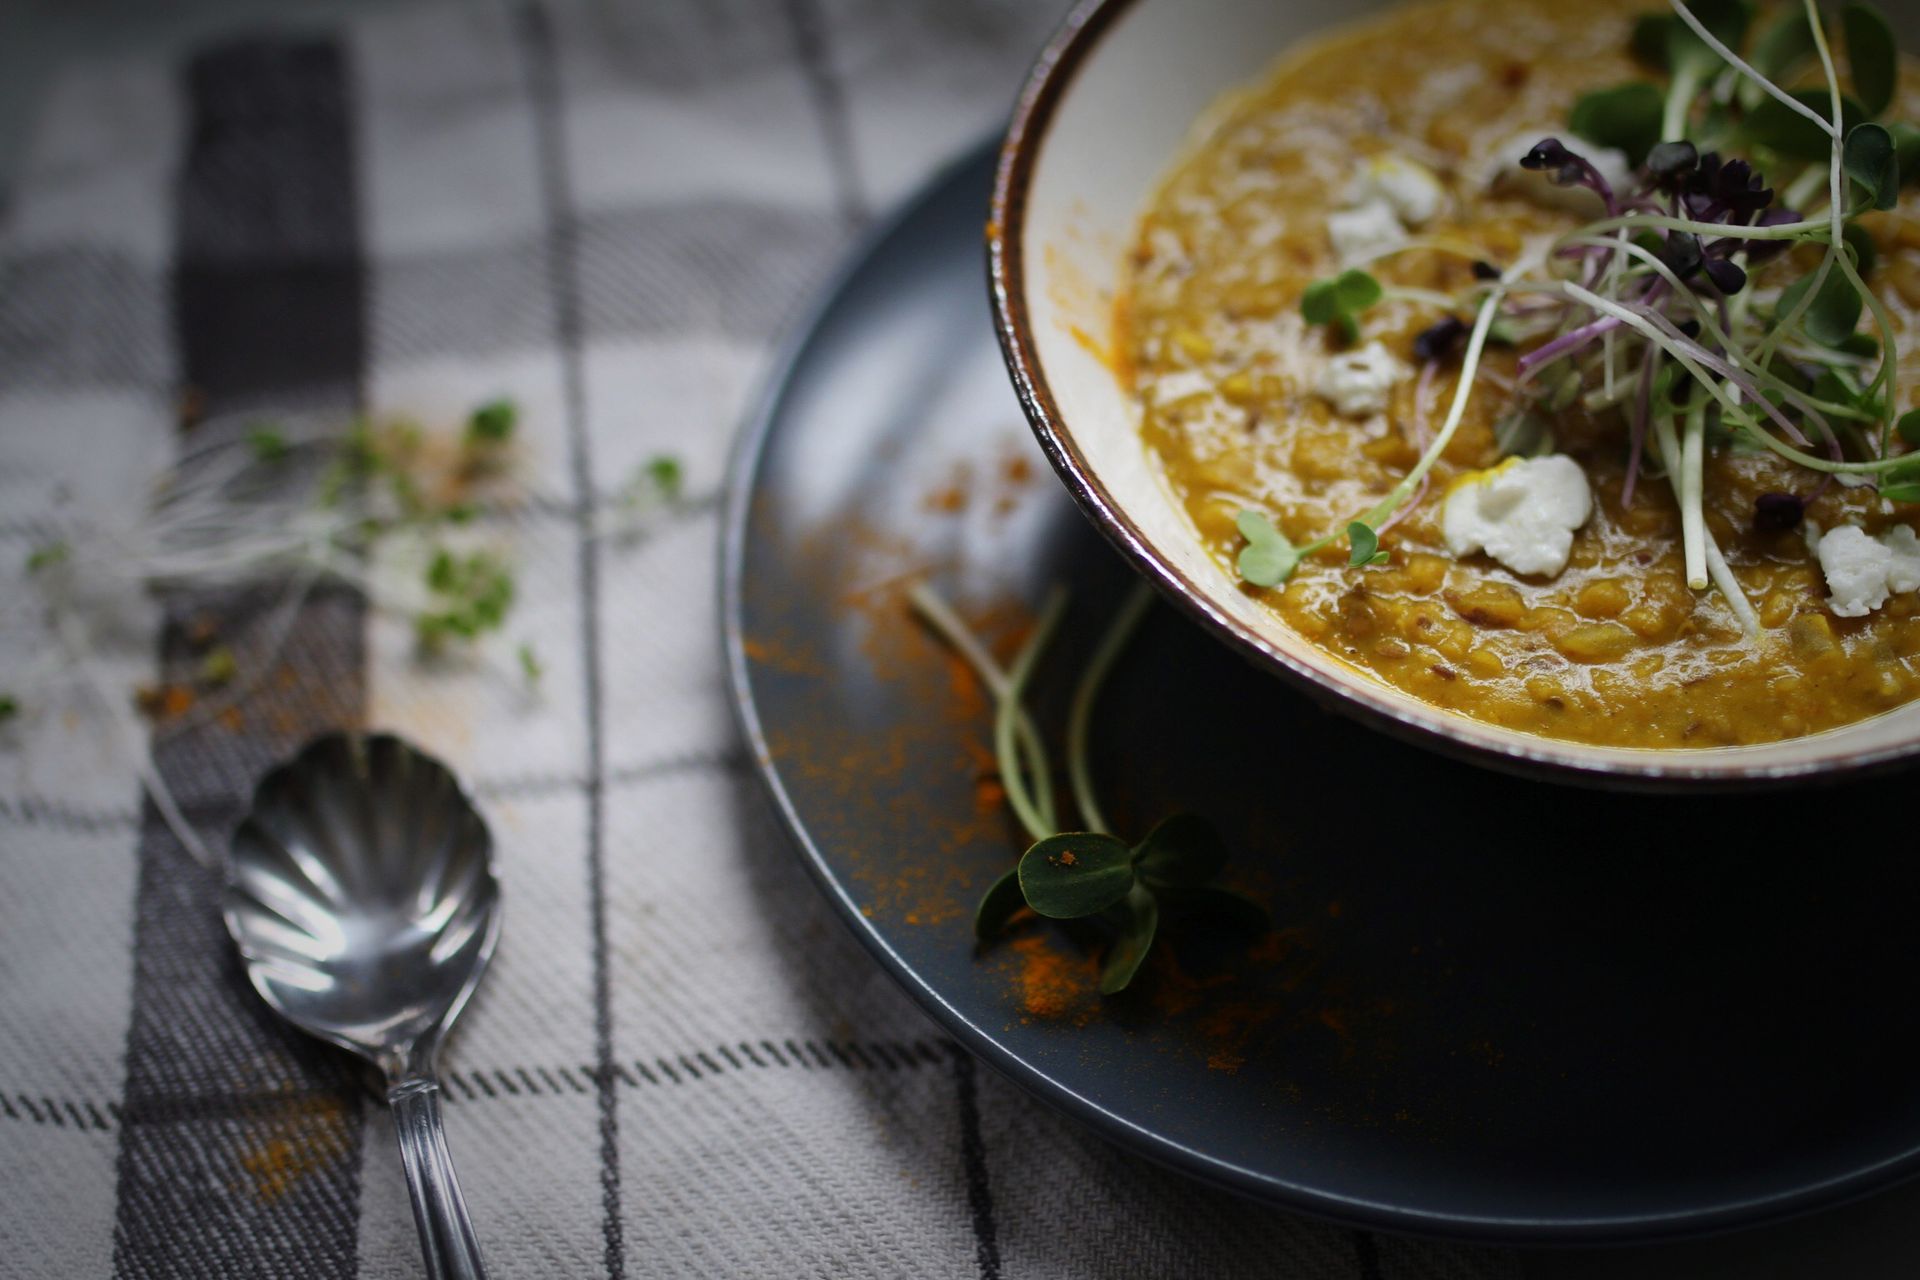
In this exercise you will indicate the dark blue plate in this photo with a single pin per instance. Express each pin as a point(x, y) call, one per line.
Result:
point(1491, 1008)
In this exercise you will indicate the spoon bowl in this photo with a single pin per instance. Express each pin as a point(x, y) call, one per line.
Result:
point(362, 897)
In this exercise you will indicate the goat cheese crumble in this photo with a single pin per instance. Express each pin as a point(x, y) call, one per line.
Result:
point(1523, 513)
point(1862, 570)
point(1409, 189)
point(1365, 231)
point(1359, 382)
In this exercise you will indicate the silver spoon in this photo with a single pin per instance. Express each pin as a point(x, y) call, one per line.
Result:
point(361, 893)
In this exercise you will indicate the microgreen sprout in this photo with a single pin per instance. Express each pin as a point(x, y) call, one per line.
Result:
point(1338, 301)
point(219, 666)
point(9, 707)
point(530, 665)
point(493, 422)
point(471, 594)
point(1086, 874)
point(268, 442)
point(229, 516)
point(1682, 307)
point(46, 556)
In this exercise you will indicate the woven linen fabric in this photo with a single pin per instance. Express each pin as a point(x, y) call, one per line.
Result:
point(679, 1064)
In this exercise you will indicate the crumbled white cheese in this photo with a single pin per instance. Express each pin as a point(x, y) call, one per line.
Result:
point(1409, 189)
point(1181, 384)
point(1357, 382)
point(1523, 513)
point(1862, 571)
point(1365, 231)
point(1538, 186)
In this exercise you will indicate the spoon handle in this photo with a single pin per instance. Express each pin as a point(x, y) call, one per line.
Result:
point(446, 1233)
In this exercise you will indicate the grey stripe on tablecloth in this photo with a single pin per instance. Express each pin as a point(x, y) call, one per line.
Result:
point(268, 302)
point(547, 102)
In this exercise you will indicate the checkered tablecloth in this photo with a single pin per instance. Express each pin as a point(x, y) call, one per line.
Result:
point(679, 1064)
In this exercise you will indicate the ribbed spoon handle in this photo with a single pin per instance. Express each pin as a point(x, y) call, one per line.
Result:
point(446, 1233)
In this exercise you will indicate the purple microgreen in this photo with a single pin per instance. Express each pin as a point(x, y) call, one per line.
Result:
point(1873, 57)
point(1440, 339)
point(1682, 254)
point(1727, 276)
point(1668, 160)
point(1777, 512)
point(1484, 270)
point(1566, 343)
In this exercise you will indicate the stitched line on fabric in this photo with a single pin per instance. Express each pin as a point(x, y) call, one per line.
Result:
point(480, 1084)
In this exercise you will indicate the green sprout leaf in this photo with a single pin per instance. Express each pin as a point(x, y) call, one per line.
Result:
point(1783, 45)
point(1664, 41)
point(999, 905)
point(1268, 559)
point(475, 591)
point(1183, 850)
point(1873, 57)
point(1900, 492)
point(1909, 428)
point(1871, 160)
point(1866, 256)
point(1075, 874)
point(1625, 117)
point(1364, 544)
point(664, 473)
point(219, 666)
point(1834, 313)
point(530, 665)
point(1774, 124)
point(493, 422)
point(1356, 290)
point(1906, 149)
point(1339, 300)
point(45, 557)
point(1140, 919)
point(269, 443)
point(9, 707)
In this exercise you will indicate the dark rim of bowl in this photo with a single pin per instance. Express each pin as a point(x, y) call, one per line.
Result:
point(1534, 756)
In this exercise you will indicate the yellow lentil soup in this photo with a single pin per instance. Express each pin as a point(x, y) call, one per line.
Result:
point(1233, 381)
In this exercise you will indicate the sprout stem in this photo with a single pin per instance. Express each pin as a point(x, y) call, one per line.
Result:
point(947, 624)
point(1690, 490)
point(1714, 43)
point(1087, 693)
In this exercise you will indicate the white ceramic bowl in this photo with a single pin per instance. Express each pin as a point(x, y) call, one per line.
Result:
point(1122, 90)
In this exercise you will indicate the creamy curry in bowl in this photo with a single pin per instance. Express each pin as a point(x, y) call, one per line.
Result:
point(1551, 367)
